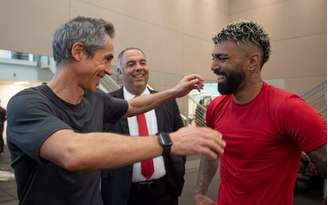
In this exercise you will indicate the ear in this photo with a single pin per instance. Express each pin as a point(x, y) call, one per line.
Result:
point(119, 69)
point(254, 62)
point(78, 51)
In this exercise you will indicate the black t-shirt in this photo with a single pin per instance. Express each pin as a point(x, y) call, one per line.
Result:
point(35, 114)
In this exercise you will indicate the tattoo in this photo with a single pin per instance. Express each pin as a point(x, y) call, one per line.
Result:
point(207, 170)
point(319, 159)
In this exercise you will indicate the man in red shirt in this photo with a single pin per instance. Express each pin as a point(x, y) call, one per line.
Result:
point(265, 128)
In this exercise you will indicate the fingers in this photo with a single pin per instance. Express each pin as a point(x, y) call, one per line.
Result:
point(188, 83)
point(194, 76)
point(195, 80)
point(207, 152)
point(197, 140)
point(212, 142)
point(201, 199)
point(196, 84)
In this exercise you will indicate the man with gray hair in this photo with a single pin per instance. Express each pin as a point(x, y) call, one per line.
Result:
point(55, 129)
point(265, 127)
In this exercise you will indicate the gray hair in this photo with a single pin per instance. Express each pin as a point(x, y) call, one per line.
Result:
point(91, 32)
point(244, 32)
point(120, 55)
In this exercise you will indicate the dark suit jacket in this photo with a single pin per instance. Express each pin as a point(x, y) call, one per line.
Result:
point(116, 183)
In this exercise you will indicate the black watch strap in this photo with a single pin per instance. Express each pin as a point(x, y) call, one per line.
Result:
point(165, 141)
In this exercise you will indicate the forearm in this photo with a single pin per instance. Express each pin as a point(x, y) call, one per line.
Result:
point(95, 151)
point(207, 170)
point(144, 103)
point(106, 152)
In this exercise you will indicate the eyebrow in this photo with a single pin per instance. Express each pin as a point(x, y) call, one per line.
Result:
point(219, 55)
point(109, 56)
point(132, 61)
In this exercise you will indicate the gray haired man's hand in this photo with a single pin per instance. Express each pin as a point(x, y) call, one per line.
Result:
point(197, 140)
point(188, 83)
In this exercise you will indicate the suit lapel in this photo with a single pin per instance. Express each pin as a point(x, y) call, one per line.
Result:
point(160, 117)
point(125, 126)
point(123, 121)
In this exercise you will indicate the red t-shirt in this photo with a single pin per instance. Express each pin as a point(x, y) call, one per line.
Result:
point(264, 139)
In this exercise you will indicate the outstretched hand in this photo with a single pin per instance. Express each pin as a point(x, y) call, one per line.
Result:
point(197, 140)
point(188, 83)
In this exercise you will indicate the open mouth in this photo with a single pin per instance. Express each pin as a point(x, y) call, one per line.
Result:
point(101, 75)
point(98, 78)
point(221, 78)
point(138, 76)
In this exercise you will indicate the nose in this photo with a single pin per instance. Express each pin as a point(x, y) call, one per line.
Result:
point(109, 70)
point(214, 66)
point(139, 67)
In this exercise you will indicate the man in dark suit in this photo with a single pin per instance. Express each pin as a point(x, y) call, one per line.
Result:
point(155, 181)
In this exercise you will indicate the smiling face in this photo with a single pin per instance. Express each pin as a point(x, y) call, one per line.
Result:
point(134, 70)
point(229, 63)
point(90, 70)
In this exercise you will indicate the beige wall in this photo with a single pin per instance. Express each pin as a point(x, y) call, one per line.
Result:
point(298, 36)
point(176, 34)
point(28, 25)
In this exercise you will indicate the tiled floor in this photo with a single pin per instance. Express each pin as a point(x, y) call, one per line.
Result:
point(8, 194)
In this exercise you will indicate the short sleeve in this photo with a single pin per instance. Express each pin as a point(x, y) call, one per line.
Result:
point(114, 108)
point(303, 124)
point(209, 116)
point(30, 123)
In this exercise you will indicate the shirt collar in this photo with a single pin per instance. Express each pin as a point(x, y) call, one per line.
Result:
point(129, 96)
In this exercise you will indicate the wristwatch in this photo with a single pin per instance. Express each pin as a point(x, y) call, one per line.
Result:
point(165, 141)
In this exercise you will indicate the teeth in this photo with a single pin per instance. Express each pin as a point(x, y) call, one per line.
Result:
point(221, 78)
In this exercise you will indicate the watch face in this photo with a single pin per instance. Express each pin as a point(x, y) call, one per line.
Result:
point(165, 142)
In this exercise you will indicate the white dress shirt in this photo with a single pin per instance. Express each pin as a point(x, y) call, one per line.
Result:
point(159, 168)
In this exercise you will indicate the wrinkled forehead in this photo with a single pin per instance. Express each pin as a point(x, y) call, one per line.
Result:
point(132, 55)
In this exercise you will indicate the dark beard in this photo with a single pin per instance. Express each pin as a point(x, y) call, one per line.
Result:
point(231, 84)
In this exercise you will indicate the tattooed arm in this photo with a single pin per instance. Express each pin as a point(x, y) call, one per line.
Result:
point(207, 170)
